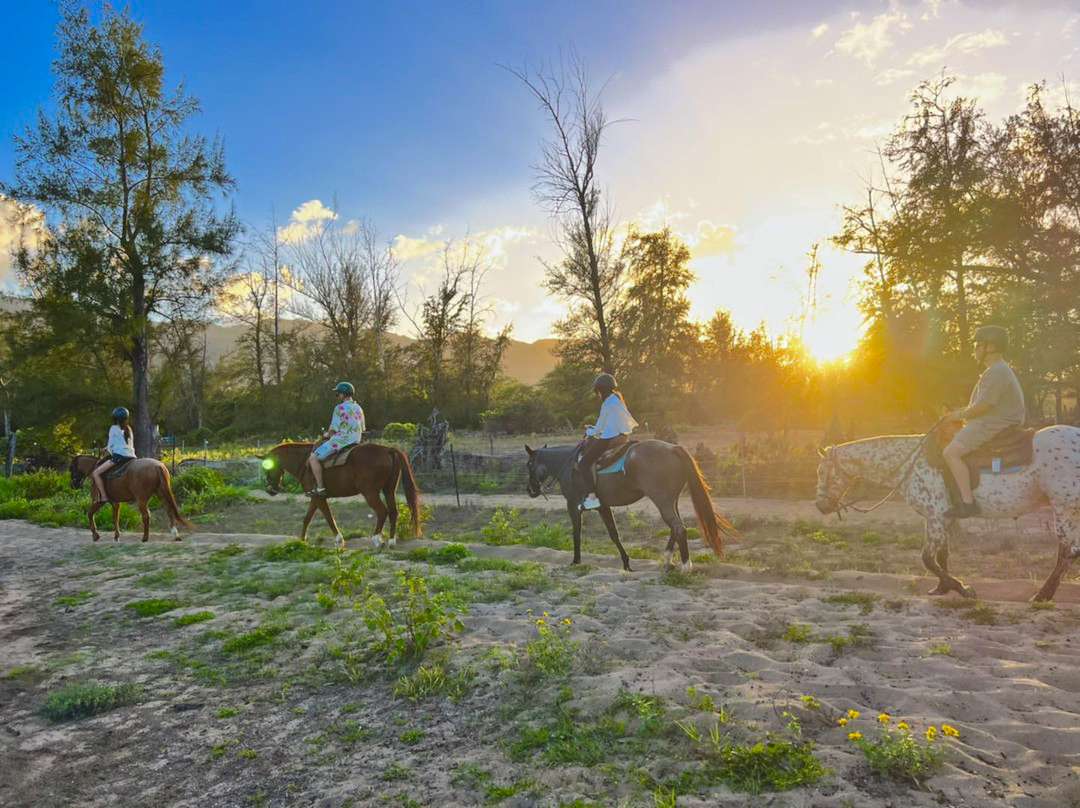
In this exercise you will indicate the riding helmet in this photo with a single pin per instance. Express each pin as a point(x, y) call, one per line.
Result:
point(993, 335)
point(120, 413)
point(605, 383)
point(345, 388)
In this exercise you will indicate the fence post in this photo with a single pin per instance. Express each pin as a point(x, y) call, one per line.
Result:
point(453, 466)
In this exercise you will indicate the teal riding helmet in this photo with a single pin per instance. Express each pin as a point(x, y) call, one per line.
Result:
point(345, 389)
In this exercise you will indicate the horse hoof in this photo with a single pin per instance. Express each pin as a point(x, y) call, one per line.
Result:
point(967, 592)
point(340, 541)
point(686, 567)
point(376, 541)
point(939, 590)
point(174, 533)
point(392, 542)
point(96, 538)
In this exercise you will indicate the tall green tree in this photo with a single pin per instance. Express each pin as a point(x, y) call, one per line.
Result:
point(134, 234)
point(657, 337)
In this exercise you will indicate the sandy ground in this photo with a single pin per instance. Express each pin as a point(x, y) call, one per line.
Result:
point(1012, 687)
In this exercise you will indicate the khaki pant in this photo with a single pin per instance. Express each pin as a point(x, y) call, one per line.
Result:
point(978, 432)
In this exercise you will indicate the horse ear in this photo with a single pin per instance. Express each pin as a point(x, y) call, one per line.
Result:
point(529, 450)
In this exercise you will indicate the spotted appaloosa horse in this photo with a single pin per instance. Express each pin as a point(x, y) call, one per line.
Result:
point(1052, 478)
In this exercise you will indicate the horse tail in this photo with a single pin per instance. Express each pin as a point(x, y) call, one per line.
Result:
point(714, 526)
point(412, 491)
point(165, 489)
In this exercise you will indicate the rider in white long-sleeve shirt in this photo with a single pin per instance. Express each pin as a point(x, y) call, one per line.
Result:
point(121, 448)
point(612, 427)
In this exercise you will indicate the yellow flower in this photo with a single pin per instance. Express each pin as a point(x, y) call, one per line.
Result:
point(931, 733)
point(853, 714)
point(951, 731)
point(884, 718)
point(541, 621)
point(854, 736)
point(546, 614)
point(567, 621)
point(842, 722)
point(903, 726)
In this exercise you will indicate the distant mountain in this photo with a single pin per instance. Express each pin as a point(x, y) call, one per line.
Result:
point(526, 362)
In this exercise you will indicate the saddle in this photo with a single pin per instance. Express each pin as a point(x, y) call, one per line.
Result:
point(1008, 451)
point(613, 461)
point(339, 458)
point(117, 471)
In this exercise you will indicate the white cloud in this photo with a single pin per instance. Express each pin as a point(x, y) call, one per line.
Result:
point(19, 225)
point(984, 86)
point(867, 41)
point(963, 44)
point(712, 240)
point(819, 30)
point(933, 10)
point(304, 220)
point(892, 75)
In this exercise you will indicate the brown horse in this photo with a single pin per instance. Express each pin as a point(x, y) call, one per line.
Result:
point(371, 469)
point(144, 478)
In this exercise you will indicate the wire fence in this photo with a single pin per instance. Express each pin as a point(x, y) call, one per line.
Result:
point(479, 463)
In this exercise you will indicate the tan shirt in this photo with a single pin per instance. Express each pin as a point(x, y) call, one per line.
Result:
point(999, 389)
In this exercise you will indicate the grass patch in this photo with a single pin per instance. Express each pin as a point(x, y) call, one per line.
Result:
point(434, 680)
point(228, 712)
point(191, 619)
point(81, 700)
point(411, 737)
point(798, 633)
point(295, 551)
point(447, 554)
point(152, 607)
point(940, 649)
point(864, 600)
point(263, 635)
point(78, 599)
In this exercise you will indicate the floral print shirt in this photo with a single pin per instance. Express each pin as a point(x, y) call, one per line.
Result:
point(347, 425)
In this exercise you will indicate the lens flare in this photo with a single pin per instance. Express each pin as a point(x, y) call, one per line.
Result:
point(268, 463)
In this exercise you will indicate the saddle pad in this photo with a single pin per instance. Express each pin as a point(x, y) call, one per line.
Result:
point(616, 467)
point(619, 465)
point(339, 458)
point(118, 470)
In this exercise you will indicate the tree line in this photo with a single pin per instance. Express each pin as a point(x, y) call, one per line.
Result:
point(968, 220)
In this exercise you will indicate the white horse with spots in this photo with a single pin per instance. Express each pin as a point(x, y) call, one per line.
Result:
point(899, 461)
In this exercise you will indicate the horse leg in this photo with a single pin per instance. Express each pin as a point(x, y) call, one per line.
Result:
point(313, 506)
point(324, 505)
point(390, 495)
point(678, 534)
point(145, 513)
point(95, 506)
point(1067, 527)
point(575, 523)
point(116, 521)
point(381, 510)
point(613, 532)
point(935, 557)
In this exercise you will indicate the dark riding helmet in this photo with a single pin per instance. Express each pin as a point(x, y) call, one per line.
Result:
point(605, 383)
point(345, 389)
point(993, 335)
point(120, 413)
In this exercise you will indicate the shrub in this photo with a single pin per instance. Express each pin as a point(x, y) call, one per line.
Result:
point(899, 753)
point(196, 480)
point(81, 700)
point(295, 551)
point(38, 485)
point(400, 432)
point(552, 651)
point(421, 619)
point(434, 680)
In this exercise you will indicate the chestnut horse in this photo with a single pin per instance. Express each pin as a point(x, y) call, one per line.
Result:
point(371, 469)
point(144, 478)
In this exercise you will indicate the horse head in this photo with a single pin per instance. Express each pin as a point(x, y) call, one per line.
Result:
point(271, 464)
point(80, 468)
point(832, 482)
point(537, 472)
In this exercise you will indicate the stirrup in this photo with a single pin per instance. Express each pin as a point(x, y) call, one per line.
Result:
point(317, 493)
point(590, 503)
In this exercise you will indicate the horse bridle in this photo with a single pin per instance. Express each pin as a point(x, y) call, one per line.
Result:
point(909, 461)
point(545, 485)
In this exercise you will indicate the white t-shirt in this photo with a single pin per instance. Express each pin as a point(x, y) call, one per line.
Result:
point(615, 419)
point(119, 443)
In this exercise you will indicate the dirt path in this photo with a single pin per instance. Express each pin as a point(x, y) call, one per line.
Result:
point(1007, 676)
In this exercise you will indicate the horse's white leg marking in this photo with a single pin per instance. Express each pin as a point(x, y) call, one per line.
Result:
point(688, 566)
point(376, 540)
point(392, 541)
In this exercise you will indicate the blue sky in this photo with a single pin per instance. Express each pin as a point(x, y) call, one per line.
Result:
point(749, 123)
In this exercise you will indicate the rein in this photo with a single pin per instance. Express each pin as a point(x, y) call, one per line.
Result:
point(547, 484)
point(910, 461)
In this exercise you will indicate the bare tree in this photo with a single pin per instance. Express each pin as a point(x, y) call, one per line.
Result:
point(249, 300)
point(344, 279)
point(590, 274)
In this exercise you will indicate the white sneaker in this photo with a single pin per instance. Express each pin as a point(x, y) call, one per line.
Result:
point(591, 503)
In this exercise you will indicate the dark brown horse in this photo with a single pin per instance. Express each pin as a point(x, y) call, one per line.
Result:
point(653, 469)
point(371, 469)
point(144, 478)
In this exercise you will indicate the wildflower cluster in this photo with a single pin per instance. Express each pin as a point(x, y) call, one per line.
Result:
point(552, 651)
point(897, 751)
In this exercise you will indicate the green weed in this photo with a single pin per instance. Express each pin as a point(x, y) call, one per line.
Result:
point(80, 700)
point(152, 607)
point(434, 680)
point(191, 619)
point(71, 601)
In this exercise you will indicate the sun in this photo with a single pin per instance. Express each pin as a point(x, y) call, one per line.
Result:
point(831, 339)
